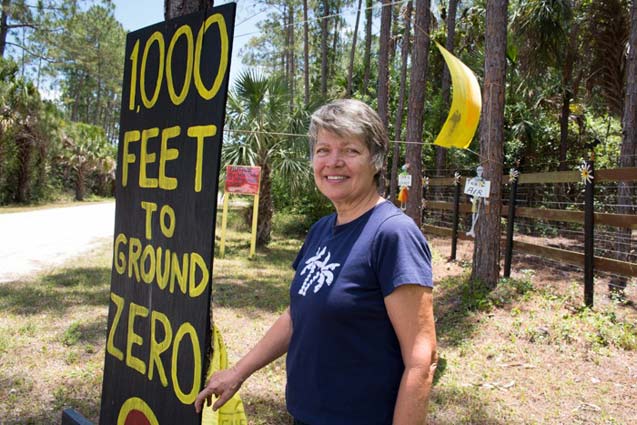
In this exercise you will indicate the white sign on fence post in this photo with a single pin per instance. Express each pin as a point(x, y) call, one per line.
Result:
point(477, 187)
point(404, 180)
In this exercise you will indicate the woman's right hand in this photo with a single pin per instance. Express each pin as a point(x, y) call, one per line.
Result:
point(223, 384)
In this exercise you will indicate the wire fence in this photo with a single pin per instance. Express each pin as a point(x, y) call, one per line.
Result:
point(550, 219)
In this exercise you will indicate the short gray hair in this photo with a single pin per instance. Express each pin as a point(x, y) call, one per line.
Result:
point(352, 118)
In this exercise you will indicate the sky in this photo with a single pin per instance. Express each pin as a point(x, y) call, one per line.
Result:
point(136, 14)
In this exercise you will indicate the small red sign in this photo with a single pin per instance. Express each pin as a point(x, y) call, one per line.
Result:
point(242, 180)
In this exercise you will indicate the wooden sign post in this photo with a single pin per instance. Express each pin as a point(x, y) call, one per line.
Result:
point(241, 180)
point(173, 109)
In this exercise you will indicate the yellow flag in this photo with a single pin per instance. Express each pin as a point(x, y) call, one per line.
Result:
point(466, 104)
point(232, 412)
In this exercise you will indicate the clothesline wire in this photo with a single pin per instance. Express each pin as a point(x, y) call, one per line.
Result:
point(274, 133)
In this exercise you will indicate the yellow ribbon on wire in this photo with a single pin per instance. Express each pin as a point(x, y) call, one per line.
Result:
point(232, 412)
point(466, 104)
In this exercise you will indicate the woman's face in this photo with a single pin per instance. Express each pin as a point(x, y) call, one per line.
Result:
point(343, 169)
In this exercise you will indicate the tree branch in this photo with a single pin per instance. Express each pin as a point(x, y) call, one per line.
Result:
point(32, 53)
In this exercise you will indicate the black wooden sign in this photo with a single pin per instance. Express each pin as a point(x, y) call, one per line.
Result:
point(173, 108)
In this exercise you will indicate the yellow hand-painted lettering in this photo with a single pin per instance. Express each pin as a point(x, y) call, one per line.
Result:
point(149, 264)
point(193, 55)
point(110, 345)
point(200, 132)
point(205, 93)
point(186, 329)
point(159, 38)
point(147, 158)
point(150, 208)
point(128, 158)
point(177, 99)
point(158, 347)
point(167, 369)
point(165, 155)
point(133, 338)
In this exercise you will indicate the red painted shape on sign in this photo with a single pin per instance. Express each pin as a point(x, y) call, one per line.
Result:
point(242, 180)
point(135, 417)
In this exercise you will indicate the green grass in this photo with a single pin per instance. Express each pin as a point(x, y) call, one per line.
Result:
point(524, 352)
point(52, 328)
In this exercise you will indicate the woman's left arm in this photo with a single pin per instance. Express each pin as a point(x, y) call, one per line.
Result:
point(410, 309)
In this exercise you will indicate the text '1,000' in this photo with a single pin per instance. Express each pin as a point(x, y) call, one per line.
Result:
point(165, 65)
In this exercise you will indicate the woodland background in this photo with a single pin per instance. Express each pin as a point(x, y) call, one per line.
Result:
point(556, 75)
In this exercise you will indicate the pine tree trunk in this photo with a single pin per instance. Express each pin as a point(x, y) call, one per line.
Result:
point(398, 127)
point(567, 94)
point(335, 39)
point(285, 52)
point(291, 53)
point(441, 153)
point(306, 55)
point(416, 107)
point(628, 151)
point(264, 226)
point(324, 69)
point(350, 69)
point(25, 154)
point(4, 28)
point(176, 8)
point(383, 74)
point(80, 183)
point(368, 46)
point(486, 252)
point(383, 62)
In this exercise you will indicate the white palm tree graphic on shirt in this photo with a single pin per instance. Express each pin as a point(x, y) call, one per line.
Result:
point(318, 270)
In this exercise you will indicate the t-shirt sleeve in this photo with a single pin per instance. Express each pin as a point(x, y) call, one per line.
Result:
point(401, 255)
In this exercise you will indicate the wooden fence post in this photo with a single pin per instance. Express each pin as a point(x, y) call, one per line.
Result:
point(456, 213)
point(508, 254)
point(589, 224)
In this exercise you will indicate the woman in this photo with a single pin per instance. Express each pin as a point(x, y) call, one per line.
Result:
point(359, 331)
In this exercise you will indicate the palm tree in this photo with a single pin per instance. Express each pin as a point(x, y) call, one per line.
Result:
point(86, 150)
point(258, 114)
point(20, 139)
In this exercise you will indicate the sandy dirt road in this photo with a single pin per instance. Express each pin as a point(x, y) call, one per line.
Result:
point(38, 240)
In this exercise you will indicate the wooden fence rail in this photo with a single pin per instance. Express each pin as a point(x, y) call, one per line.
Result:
point(616, 220)
point(607, 175)
point(588, 218)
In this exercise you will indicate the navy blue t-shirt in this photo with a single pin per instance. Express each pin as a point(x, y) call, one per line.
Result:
point(344, 363)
